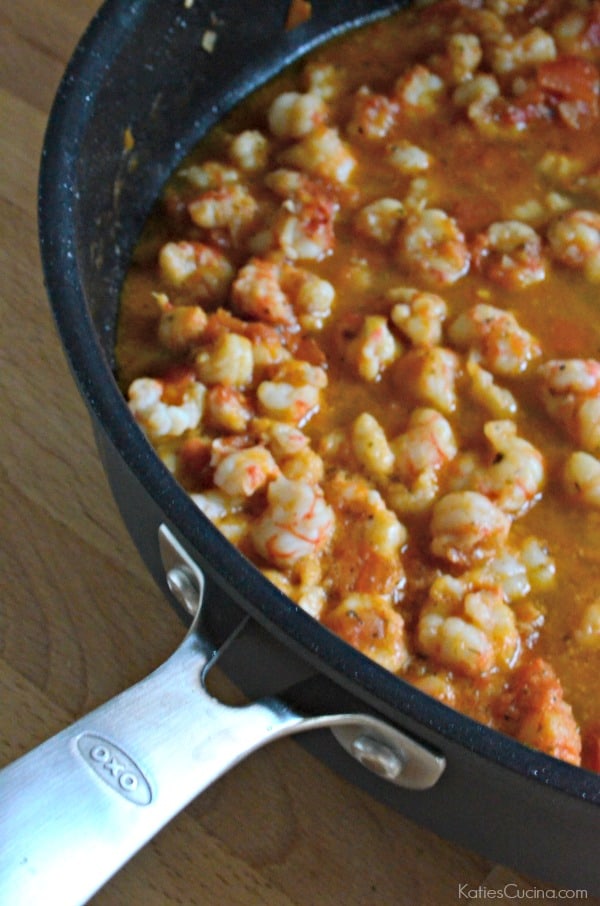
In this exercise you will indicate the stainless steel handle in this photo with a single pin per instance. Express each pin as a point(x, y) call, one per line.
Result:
point(75, 809)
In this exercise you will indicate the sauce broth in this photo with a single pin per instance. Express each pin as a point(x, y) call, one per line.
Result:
point(485, 114)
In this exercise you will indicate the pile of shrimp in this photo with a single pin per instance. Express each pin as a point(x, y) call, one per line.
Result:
point(288, 291)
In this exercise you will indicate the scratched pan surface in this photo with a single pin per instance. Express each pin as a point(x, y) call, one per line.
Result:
point(139, 72)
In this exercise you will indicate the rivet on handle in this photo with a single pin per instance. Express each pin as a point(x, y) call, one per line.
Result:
point(378, 757)
point(184, 587)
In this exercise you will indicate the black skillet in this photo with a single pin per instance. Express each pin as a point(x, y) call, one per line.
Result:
point(140, 73)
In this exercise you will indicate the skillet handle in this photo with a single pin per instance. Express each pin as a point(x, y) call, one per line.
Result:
point(82, 803)
point(75, 809)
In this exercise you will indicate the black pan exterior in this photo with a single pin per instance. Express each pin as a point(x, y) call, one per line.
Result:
point(137, 94)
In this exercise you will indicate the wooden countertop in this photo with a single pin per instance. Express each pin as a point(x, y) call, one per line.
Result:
point(80, 618)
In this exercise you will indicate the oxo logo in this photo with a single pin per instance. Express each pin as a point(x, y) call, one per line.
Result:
point(115, 768)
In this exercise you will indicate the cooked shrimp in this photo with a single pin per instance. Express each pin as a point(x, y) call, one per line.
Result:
point(323, 153)
point(467, 629)
point(539, 563)
point(485, 23)
point(293, 115)
point(369, 539)
point(306, 464)
point(575, 31)
point(282, 294)
point(575, 241)
point(418, 455)
point(311, 599)
point(385, 535)
point(506, 7)
point(229, 361)
point(257, 293)
point(225, 511)
point(355, 495)
point(476, 95)
point(535, 712)
point(379, 220)
point(267, 343)
point(416, 497)
point(408, 159)
point(582, 478)
point(499, 401)
point(371, 446)
point(296, 522)
point(509, 253)
point(495, 339)
point(312, 297)
point(243, 472)
point(323, 79)
point(302, 584)
point(227, 408)
point(293, 395)
point(284, 400)
point(428, 375)
point(418, 196)
point(369, 623)
point(303, 228)
point(518, 571)
point(216, 505)
point(249, 150)
point(516, 476)
point(505, 570)
point(536, 46)
point(571, 394)
point(159, 418)
point(437, 685)
point(281, 438)
point(291, 450)
point(418, 91)
point(373, 116)
point(462, 57)
point(587, 633)
point(180, 326)
point(198, 267)
point(467, 527)
point(427, 444)
point(418, 315)
point(212, 174)
point(561, 170)
point(231, 208)
point(374, 349)
point(432, 246)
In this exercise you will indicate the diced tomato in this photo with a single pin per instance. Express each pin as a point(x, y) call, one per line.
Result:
point(572, 78)
point(194, 457)
point(222, 321)
point(359, 630)
point(299, 11)
point(308, 350)
point(378, 574)
point(590, 755)
point(176, 381)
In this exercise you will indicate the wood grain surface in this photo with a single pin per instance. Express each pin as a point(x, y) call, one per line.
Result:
point(80, 619)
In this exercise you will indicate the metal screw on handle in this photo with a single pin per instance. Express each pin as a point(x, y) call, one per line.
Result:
point(378, 757)
point(183, 585)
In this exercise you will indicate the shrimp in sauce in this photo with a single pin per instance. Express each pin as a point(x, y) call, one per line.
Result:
point(360, 330)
